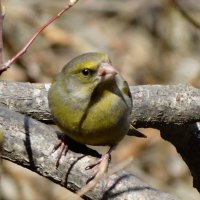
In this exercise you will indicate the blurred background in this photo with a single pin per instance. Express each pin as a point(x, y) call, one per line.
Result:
point(149, 41)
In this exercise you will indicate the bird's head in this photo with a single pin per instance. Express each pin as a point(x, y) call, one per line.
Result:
point(89, 69)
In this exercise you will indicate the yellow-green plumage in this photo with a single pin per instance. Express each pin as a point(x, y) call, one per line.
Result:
point(91, 109)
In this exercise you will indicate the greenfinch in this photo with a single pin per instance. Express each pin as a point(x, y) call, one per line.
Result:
point(90, 101)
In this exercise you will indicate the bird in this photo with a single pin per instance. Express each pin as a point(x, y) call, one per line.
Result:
point(91, 103)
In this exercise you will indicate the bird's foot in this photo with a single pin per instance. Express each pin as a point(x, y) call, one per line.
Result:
point(102, 164)
point(63, 146)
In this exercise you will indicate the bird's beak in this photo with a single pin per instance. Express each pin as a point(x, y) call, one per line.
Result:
point(106, 72)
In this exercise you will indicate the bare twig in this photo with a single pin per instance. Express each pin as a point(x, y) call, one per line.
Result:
point(1, 32)
point(24, 49)
point(185, 14)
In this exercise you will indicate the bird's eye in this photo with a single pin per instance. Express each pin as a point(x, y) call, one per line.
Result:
point(86, 72)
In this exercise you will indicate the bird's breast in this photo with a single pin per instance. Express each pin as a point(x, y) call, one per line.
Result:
point(103, 120)
point(107, 120)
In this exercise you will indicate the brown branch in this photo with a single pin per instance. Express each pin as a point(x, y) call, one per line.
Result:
point(25, 48)
point(1, 34)
point(29, 143)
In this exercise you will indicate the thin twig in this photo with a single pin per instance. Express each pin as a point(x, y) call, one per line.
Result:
point(24, 49)
point(185, 14)
point(1, 32)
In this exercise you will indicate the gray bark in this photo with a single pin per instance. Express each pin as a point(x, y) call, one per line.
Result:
point(171, 109)
point(29, 143)
point(153, 105)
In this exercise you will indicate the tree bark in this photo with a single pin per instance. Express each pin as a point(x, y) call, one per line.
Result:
point(173, 109)
point(29, 143)
point(153, 105)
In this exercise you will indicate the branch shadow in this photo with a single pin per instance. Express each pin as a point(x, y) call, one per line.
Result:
point(112, 193)
point(27, 142)
point(70, 169)
point(76, 148)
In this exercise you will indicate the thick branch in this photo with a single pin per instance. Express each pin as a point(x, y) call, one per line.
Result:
point(172, 109)
point(165, 105)
point(186, 140)
point(29, 143)
point(153, 105)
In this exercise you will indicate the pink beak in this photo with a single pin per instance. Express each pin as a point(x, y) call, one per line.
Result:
point(106, 72)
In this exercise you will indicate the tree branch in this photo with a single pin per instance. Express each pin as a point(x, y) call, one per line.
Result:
point(6, 65)
point(172, 109)
point(186, 140)
point(153, 105)
point(1, 34)
point(29, 143)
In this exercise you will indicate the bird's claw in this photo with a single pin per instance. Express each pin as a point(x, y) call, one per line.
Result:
point(92, 165)
point(57, 145)
point(102, 163)
point(63, 150)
